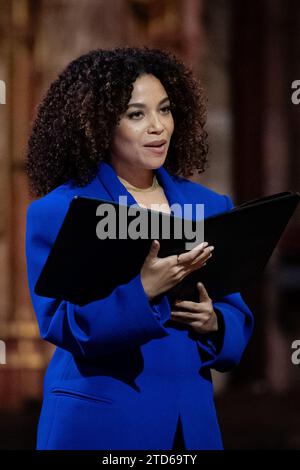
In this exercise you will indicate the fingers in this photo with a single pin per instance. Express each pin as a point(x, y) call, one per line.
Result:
point(202, 258)
point(199, 261)
point(154, 249)
point(190, 317)
point(191, 306)
point(198, 253)
point(203, 294)
point(194, 306)
point(190, 255)
point(184, 317)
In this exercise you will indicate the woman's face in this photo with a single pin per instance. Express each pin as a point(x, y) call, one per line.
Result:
point(148, 119)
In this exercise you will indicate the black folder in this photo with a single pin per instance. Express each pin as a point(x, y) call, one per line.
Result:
point(82, 268)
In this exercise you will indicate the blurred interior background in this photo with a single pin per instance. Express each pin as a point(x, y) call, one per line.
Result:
point(247, 55)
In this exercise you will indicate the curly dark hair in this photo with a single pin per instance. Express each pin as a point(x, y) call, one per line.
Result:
point(75, 120)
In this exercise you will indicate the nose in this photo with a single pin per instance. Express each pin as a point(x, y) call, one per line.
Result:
point(155, 124)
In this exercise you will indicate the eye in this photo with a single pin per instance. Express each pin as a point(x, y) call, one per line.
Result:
point(131, 115)
point(135, 114)
point(168, 108)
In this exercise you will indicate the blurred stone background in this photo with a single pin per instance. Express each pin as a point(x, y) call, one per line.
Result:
point(246, 54)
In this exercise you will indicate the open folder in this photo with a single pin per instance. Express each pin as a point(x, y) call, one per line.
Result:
point(83, 267)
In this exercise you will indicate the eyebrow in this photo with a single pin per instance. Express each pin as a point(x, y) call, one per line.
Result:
point(141, 105)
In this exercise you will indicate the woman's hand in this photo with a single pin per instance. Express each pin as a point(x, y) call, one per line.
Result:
point(158, 275)
point(200, 316)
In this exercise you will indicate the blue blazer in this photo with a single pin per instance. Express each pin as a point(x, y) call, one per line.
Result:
point(122, 373)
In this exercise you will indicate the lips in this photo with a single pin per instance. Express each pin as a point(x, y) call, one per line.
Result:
point(158, 150)
point(156, 143)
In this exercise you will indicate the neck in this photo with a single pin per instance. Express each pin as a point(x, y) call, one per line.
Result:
point(141, 178)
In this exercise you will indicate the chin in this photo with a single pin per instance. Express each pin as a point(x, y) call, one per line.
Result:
point(156, 163)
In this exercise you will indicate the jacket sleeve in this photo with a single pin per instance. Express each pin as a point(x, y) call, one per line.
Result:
point(124, 319)
point(223, 350)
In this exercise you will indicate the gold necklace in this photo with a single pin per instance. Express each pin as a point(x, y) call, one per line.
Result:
point(155, 184)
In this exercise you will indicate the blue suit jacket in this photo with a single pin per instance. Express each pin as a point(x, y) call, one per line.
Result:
point(122, 373)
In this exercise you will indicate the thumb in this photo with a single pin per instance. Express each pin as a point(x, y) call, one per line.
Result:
point(203, 295)
point(154, 249)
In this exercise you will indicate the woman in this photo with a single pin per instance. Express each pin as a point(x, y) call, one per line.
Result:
point(130, 369)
